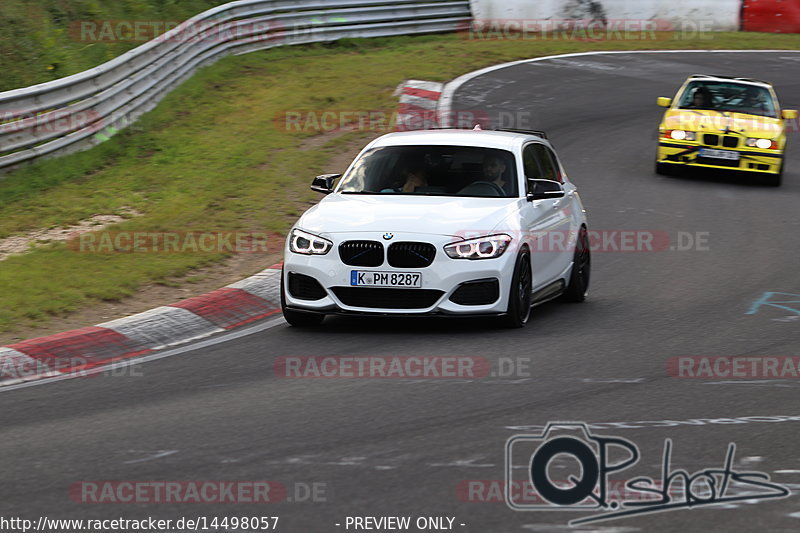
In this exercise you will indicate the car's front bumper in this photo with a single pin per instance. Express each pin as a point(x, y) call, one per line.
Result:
point(683, 154)
point(444, 275)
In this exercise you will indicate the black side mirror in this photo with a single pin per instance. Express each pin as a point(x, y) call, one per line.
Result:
point(544, 190)
point(324, 183)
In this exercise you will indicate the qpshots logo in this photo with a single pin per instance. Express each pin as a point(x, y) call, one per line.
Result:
point(568, 467)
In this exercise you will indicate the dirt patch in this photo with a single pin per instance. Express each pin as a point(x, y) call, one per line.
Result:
point(342, 160)
point(346, 153)
point(20, 244)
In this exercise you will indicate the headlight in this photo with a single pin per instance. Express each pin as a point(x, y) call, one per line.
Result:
point(301, 242)
point(764, 144)
point(682, 135)
point(481, 248)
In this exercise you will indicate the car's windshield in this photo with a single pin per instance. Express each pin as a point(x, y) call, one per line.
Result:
point(729, 97)
point(433, 170)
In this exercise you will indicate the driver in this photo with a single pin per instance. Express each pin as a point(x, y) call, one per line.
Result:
point(494, 169)
point(701, 99)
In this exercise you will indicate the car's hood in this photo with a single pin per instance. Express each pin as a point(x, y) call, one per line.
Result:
point(438, 215)
point(706, 121)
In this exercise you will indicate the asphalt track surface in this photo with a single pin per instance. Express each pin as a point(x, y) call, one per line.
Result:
point(402, 447)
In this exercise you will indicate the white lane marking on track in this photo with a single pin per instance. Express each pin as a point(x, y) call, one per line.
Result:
point(760, 383)
point(446, 101)
point(786, 471)
point(464, 463)
point(158, 455)
point(612, 380)
point(348, 461)
point(650, 424)
point(218, 339)
point(794, 515)
point(566, 527)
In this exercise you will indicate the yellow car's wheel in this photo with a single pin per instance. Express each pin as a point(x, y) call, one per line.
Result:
point(774, 180)
point(664, 169)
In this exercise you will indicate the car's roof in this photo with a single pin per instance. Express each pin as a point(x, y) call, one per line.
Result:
point(503, 140)
point(729, 79)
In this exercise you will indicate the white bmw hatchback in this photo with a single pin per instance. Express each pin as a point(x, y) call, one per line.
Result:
point(448, 222)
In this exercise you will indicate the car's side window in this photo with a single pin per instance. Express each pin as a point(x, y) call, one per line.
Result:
point(548, 164)
point(556, 166)
point(529, 161)
point(540, 163)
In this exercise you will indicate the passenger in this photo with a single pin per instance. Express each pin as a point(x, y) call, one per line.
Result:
point(416, 176)
point(752, 100)
point(410, 177)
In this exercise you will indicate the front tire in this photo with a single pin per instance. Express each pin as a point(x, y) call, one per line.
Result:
point(578, 287)
point(298, 319)
point(775, 180)
point(664, 169)
point(520, 294)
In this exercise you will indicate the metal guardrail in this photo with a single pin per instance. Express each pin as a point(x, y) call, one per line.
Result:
point(94, 104)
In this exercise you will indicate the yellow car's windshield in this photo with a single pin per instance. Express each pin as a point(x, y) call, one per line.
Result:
point(729, 97)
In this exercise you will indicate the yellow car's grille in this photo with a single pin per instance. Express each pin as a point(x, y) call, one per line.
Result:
point(728, 141)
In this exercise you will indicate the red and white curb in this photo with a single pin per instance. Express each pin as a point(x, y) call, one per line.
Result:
point(418, 103)
point(80, 350)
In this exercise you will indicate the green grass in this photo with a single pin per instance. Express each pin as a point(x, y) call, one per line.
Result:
point(209, 157)
point(38, 41)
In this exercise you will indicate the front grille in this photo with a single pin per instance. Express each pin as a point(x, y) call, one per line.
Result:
point(361, 253)
point(411, 254)
point(717, 162)
point(374, 298)
point(481, 292)
point(711, 140)
point(305, 287)
point(730, 141)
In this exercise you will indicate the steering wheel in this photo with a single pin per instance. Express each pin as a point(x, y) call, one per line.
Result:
point(482, 186)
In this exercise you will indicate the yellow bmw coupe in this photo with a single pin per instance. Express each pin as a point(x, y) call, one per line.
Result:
point(724, 123)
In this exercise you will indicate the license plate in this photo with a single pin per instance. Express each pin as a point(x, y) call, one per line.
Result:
point(719, 154)
point(363, 278)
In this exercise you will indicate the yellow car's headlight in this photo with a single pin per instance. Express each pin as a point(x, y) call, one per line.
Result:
point(681, 135)
point(764, 144)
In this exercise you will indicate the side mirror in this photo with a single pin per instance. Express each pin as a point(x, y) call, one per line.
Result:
point(790, 114)
point(324, 183)
point(664, 101)
point(544, 190)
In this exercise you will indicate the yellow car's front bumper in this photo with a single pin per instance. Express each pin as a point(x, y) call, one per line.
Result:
point(688, 153)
